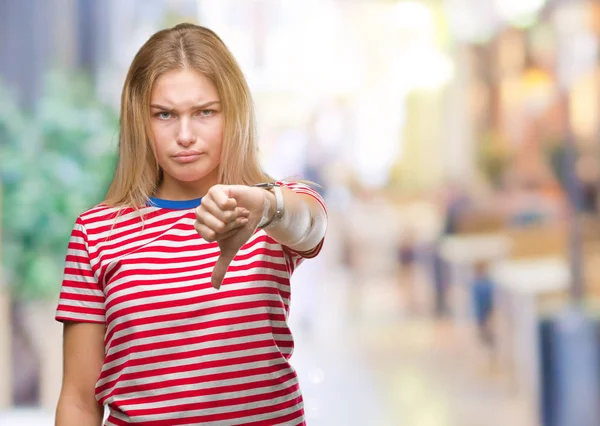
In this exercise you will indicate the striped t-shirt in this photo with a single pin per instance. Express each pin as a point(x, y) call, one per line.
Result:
point(177, 351)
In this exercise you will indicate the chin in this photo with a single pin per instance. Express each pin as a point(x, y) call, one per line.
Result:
point(190, 176)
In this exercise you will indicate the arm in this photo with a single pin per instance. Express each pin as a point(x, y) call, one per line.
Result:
point(303, 224)
point(83, 355)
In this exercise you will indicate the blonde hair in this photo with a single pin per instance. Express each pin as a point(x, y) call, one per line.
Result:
point(137, 174)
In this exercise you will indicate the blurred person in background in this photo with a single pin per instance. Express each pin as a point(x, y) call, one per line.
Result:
point(455, 203)
point(407, 263)
point(146, 333)
point(483, 302)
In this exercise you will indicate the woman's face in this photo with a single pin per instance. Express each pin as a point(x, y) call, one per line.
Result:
point(187, 127)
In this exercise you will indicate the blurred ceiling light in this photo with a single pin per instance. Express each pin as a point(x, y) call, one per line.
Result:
point(411, 15)
point(422, 67)
point(519, 12)
point(471, 20)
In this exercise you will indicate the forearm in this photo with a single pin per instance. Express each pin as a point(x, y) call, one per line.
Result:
point(303, 224)
point(70, 413)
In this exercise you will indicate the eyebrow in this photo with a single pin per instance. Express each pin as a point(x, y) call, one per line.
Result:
point(204, 105)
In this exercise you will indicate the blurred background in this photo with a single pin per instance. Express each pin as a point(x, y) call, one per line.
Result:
point(458, 146)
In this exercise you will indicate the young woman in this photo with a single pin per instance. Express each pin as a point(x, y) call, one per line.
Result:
point(176, 289)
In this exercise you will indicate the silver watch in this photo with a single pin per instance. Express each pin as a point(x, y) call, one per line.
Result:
point(276, 189)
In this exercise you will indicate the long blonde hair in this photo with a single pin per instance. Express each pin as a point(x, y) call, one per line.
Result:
point(137, 173)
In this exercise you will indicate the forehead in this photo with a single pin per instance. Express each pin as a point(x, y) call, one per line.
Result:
point(181, 87)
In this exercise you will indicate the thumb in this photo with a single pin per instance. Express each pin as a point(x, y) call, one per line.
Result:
point(222, 265)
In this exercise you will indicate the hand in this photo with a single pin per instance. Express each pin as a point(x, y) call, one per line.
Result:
point(229, 214)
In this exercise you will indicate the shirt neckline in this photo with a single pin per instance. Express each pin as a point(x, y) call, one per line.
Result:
point(174, 204)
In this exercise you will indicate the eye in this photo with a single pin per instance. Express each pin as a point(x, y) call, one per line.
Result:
point(163, 115)
point(206, 112)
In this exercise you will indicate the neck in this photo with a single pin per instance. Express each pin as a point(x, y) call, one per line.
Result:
point(180, 191)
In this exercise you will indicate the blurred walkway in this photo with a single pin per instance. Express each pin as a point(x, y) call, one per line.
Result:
point(382, 370)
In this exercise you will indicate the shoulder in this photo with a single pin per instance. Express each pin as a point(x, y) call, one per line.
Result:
point(102, 222)
point(100, 213)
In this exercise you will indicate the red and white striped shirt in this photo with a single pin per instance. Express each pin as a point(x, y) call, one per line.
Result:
point(177, 351)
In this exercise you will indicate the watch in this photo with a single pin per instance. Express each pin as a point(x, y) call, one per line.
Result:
point(274, 187)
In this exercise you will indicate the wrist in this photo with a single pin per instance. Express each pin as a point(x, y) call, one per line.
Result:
point(269, 208)
point(272, 211)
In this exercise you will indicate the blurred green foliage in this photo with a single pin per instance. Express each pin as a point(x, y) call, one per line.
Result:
point(55, 162)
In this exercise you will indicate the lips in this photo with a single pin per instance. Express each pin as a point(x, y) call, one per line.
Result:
point(186, 156)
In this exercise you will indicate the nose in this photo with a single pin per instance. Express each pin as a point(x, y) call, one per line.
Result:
point(185, 136)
